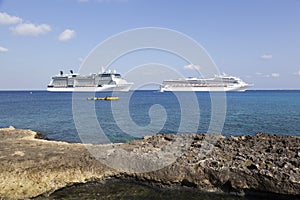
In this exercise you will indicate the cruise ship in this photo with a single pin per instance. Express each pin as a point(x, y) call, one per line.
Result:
point(219, 83)
point(96, 82)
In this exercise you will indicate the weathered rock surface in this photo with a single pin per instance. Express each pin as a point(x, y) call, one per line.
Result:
point(262, 163)
point(30, 167)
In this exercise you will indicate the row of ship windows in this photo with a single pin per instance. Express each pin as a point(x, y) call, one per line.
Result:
point(202, 82)
point(197, 85)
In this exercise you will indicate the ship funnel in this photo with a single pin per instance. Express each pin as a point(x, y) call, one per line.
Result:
point(102, 70)
point(71, 71)
point(61, 73)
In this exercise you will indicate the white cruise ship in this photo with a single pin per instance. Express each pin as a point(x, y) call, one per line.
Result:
point(219, 83)
point(97, 82)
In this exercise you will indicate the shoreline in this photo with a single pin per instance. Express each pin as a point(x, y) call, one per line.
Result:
point(263, 163)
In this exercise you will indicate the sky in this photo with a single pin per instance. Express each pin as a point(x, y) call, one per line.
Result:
point(256, 40)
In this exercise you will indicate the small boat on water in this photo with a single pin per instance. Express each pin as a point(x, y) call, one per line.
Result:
point(107, 98)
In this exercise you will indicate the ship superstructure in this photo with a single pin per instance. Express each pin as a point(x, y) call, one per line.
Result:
point(96, 82)
point(215, 84)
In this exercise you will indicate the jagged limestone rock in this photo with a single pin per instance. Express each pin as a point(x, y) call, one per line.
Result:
point(262, 163)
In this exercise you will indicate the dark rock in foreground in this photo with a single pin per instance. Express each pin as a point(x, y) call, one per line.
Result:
point(262, 163)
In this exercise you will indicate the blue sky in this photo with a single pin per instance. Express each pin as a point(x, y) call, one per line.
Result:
point(257, 40)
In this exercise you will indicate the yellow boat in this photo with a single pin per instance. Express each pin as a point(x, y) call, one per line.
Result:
point(107, 98)
point(111, 98)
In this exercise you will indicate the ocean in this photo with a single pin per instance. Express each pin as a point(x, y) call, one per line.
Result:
point(71, 118)
point(141, 113)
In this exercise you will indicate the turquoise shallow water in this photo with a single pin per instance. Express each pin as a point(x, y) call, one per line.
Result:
point(246, 113)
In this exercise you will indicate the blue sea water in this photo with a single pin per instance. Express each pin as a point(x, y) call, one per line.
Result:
point(246, 113)
point(55, 114)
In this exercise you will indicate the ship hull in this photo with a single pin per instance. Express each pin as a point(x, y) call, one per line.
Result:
point(104, 88)
point(204, 89)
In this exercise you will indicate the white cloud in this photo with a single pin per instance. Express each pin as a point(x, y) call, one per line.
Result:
point(3, 49)
point(297, 73)
point(66, 35)
point(266, 56)
point(191, 66)
point(28, 29)
point(275, 75)
point(6, 19)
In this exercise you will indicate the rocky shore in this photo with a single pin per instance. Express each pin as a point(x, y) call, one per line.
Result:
point(263, 163)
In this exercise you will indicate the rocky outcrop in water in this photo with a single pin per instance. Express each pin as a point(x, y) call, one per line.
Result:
point(262, 163)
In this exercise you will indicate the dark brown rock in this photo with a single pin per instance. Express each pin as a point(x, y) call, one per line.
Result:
point(261, 163)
